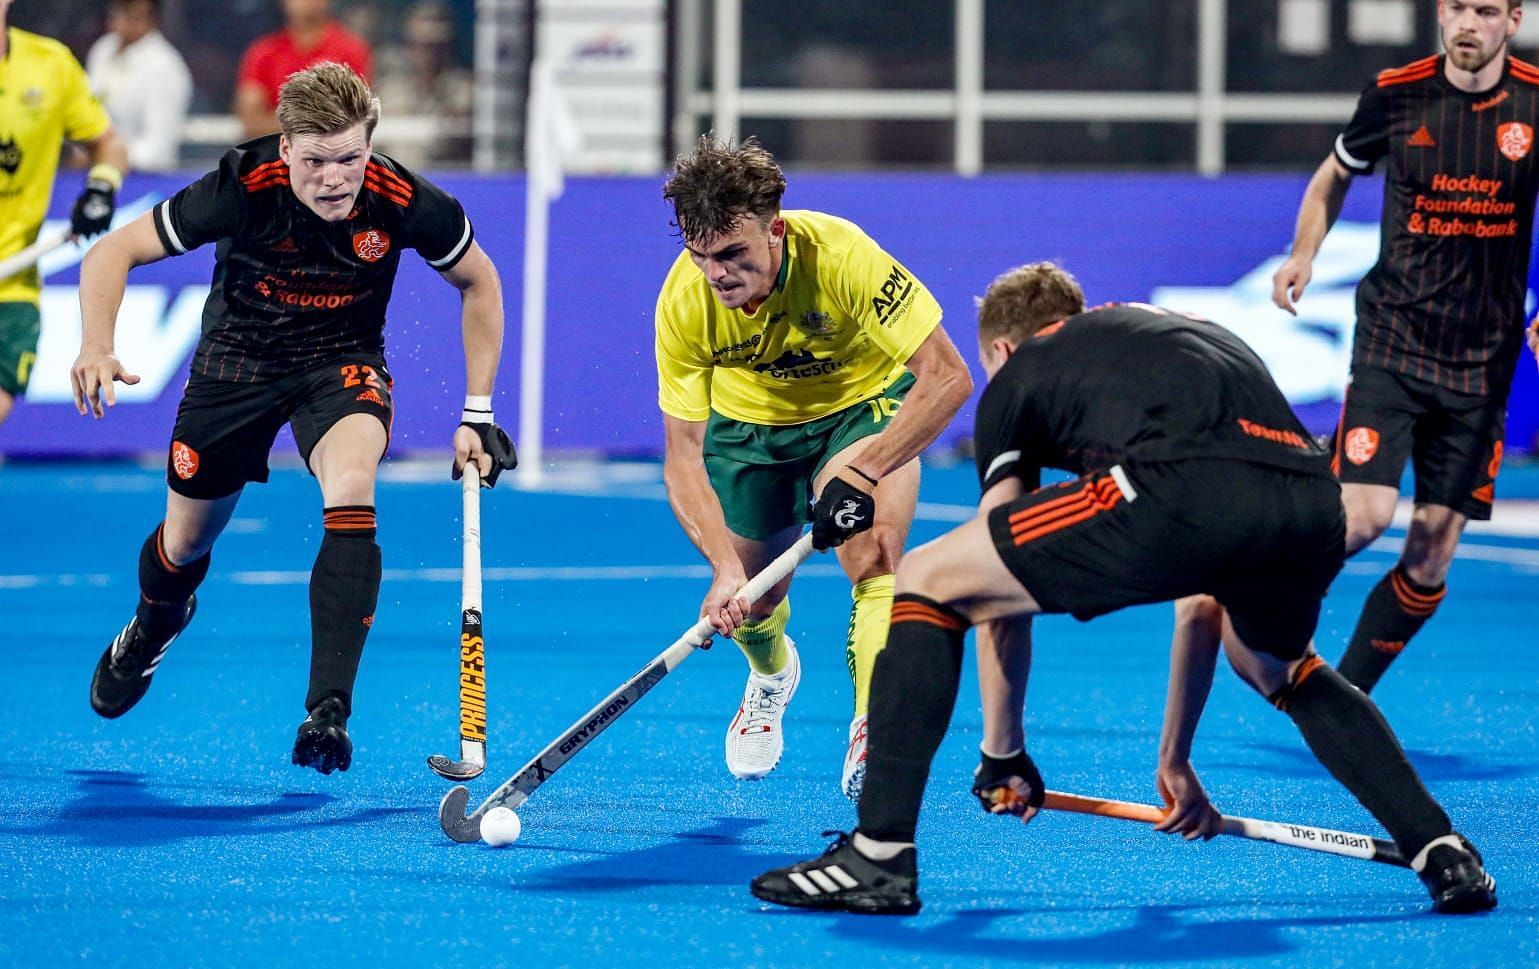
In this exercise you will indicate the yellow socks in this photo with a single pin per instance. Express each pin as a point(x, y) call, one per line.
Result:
point(868, 633)
point(763, 641)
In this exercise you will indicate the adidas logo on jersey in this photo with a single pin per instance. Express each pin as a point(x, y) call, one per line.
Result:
point(1422, 139)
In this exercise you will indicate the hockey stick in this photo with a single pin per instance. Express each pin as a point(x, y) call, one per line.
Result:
point(28, 257)
point(472, 646)
point(1295, 835)
point(466, 828)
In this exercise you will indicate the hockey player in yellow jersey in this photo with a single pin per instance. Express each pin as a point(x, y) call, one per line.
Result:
point(45, 101)
point(786, 341)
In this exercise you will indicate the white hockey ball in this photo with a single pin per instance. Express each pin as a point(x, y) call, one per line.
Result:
point(500, 826)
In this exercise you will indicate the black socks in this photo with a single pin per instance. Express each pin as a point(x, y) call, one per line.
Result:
point(344, 589)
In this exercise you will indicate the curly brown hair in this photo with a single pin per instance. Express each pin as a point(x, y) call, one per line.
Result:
point(718, 183)
point(1023, 300)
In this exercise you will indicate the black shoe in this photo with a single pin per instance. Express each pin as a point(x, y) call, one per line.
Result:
point(323, 742)
point(845, 880)
point(123, 673)
point(1457, 879)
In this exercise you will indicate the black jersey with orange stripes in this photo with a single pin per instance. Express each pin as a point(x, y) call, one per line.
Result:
point(291, 290)
point(1444, 302)
point(1132, 382)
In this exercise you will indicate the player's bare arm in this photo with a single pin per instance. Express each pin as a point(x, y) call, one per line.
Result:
point(103, 278)
point(481, 322)
point(1193, 658)
point(1533, 337)
point(1317, 213)
point(699, 513)
point(1004, 666)
point(942, 384)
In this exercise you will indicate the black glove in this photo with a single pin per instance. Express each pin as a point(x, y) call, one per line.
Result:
point(842, 510)
point(991, 782)
point(93, 210)
point(496, 443)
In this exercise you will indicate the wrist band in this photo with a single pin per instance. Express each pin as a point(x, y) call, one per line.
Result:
point(478, 409)
point(106, 173)
point(852, 467)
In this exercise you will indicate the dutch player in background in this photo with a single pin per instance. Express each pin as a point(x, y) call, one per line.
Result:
point(786, 341)
point(309, 226)
point(45, 102)
point(1440, 316)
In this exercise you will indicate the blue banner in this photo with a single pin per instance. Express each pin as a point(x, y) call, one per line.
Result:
point(1206, 245)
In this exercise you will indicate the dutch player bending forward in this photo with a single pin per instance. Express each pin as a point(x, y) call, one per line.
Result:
point(310, 226)
point(1195, 477)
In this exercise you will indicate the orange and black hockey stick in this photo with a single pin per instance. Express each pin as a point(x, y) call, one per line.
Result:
point(1295, 835)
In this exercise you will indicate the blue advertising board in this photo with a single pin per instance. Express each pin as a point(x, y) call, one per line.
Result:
point(1206, 245)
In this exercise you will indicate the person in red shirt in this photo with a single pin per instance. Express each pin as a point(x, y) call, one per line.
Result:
point(309, 36)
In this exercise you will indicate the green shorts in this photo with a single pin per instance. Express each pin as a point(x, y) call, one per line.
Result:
point(763, 474)
point(20, 324)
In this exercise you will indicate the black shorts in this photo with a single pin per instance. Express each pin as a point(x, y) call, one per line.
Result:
point(224, 431)
point(1265, 542)
point(1454, 440)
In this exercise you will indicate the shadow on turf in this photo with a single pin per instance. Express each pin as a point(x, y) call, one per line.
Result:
point(712, 855)
point(1158, 935)
point(118, 809)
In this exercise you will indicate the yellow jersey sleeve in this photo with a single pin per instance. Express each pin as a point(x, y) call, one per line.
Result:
point(84, 117)
point(885, 299)
point(683, 370)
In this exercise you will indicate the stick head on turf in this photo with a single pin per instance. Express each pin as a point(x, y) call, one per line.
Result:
point(466, 829)
point(455, 770)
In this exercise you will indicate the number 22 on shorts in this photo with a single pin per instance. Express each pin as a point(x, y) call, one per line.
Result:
point(354, 375)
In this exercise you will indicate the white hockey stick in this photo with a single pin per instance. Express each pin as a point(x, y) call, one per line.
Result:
point(466, 828)
point(472, 645)
point(28, 257)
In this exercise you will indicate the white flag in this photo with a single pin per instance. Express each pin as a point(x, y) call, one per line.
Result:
point(551, 133)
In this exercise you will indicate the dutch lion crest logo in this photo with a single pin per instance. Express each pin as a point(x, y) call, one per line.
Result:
point(1514, 139)
point(371, 245)
point(1360, 444)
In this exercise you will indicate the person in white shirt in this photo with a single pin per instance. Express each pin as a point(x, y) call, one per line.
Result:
point(143, 82)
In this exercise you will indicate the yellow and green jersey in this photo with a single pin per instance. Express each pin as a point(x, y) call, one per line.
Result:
point(841, 323)
point(45, 100)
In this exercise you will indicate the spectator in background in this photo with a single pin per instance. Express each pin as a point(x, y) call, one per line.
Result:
point(423, 80)
point(142, 82)
point(309, 36)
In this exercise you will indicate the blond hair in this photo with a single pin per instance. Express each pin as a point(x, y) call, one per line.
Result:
point(718, 183)
point(324, 99)
point(1023, 300)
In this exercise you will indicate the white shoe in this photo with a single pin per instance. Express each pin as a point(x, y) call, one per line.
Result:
point(754, 740)
point(854, 776)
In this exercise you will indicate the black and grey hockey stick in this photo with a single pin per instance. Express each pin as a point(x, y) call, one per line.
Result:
point(466, 828)
point(472, 646)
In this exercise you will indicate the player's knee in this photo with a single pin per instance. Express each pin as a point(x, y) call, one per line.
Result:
point(349, 485)
point(1366, 521)
point(918, 573)
point(872, 553)
point(1200, 611)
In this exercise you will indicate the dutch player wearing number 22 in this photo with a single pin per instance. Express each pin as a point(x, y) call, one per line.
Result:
point(1194, 477)
point(309, 227)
